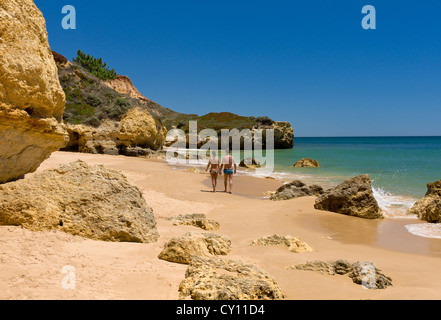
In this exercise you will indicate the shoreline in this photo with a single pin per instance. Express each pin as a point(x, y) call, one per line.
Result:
point(32, 262)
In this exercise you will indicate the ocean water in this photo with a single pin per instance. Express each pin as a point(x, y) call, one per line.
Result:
point(399, 167)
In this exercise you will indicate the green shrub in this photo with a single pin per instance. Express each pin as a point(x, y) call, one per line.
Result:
point(78, 113)
point(95, 66)
point(93, 100)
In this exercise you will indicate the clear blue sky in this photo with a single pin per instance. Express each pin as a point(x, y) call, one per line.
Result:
point(308, 62)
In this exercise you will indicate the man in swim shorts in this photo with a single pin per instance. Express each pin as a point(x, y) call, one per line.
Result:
point(229, 168)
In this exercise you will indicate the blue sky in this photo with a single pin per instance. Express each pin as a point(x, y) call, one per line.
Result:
point(307, 62)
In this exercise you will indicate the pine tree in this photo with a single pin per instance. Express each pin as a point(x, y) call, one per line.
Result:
point(95, 66)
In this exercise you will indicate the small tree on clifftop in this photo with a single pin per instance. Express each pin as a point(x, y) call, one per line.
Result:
point(95, 66)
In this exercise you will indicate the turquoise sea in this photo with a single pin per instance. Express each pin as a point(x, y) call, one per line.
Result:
point(400, 167)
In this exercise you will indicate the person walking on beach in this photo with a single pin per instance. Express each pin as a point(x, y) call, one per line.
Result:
point(227, 166)
point(214, 170)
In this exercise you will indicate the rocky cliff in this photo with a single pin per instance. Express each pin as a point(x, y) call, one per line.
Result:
point(102, 120)
point(94, 109)
point(283, 131)
point(31, 98)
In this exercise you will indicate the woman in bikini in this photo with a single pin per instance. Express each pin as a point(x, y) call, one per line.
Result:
point(214, 170)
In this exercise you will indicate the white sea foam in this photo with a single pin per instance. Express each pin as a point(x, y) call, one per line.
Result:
point(394, 206)
point(426, 230)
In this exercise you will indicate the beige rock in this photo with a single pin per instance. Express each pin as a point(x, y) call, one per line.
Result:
point(429, 207)
point(293, 244)
point(219, 279)
point(124, 85)
point(192, 244)
point(89, 201)
point(283, 135)
point(31, 98)
point(353, 197)
point(307, 163)
point(136, 129)
point(296, 189)
point(139, 128)
point(196, 220)
point(362, 273)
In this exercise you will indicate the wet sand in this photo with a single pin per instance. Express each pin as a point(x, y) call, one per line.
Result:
point(31, 263)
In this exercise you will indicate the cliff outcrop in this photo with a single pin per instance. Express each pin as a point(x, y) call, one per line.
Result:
point(31, 98)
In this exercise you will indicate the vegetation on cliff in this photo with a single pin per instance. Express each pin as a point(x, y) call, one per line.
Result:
point(95, 66)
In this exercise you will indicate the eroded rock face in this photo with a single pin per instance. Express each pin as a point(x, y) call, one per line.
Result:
point(134, 135)
point(31, 98)
point(283, 135)
point(296, 189)
point(89, 201)
point(429, 207)
point(293, 244)
point(307, 163)
point(353, 197)
point(219, 279)
point(190, 245)
point(139, 128)
point(362, 273)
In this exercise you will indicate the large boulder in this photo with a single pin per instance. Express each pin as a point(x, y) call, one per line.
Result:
point(353, 197)
point(192, 244)
point(429, 207)
point(31, 98)
point(139, 128)
point(89, 201)
point(218, 279)
point(296, 189)
point(307, 163)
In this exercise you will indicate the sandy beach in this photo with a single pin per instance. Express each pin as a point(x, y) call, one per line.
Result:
point(32, 262)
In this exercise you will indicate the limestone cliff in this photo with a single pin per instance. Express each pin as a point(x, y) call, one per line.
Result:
point(102, 120)
point(94, 108)
point(31, 98)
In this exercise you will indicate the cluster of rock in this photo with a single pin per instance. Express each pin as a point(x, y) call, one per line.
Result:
point(197, 220)
point(353, 197)
point(89, 201)
point(307, 163)
point(362, 273)
point(296, 189)
point(429, 207)
point(218, 279)
point(31, 98)
point(293, 244)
